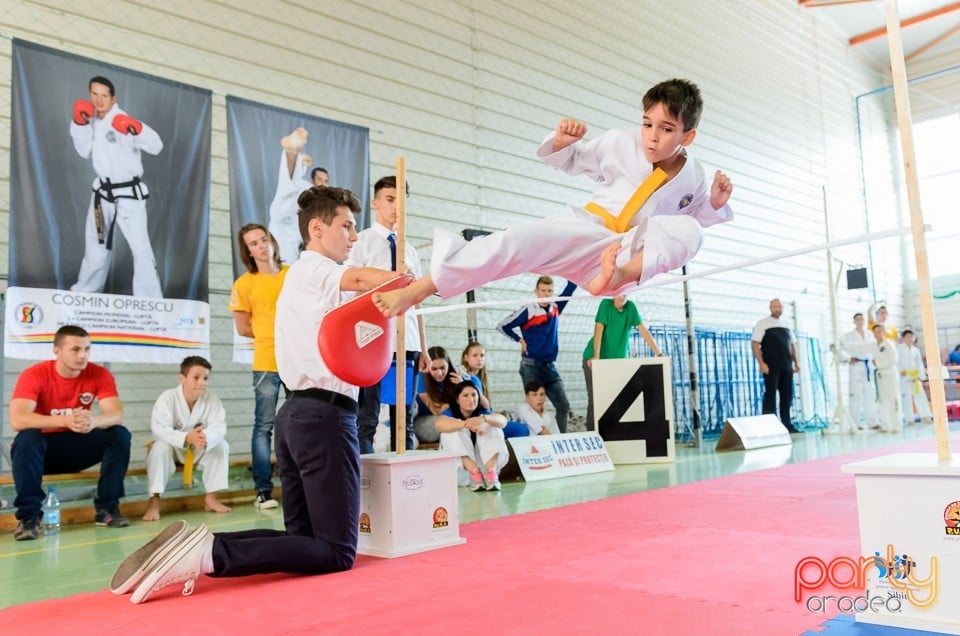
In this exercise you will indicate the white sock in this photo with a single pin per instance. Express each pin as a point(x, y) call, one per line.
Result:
point(206, 562)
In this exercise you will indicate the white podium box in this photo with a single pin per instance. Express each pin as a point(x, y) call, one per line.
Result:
point(408, 503)
point(746, 433)
point(633, 406)
point(909, 511)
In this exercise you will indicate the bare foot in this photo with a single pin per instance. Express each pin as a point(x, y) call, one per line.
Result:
point(608, 267)
point(212, 504)
point(153, 509)
point(295, 140)
point(395, 302)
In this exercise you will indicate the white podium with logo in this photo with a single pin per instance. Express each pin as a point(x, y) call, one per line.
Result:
point(633, 408)
point(909, 510)
point(408, 503)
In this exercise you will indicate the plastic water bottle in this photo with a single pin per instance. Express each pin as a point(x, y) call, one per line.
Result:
point(51, 512)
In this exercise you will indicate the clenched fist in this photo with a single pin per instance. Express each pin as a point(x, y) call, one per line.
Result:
point(568, 131)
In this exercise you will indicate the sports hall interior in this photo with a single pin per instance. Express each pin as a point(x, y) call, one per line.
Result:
point(801, 119)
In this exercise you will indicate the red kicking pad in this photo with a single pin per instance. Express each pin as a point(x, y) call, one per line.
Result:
point(356, 341)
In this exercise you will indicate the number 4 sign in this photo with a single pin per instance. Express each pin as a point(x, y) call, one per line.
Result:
point(634, 400)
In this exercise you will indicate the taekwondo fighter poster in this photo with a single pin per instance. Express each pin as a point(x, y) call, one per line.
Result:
point(109, 209)
point(274, 155)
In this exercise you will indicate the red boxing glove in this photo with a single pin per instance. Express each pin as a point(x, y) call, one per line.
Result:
point(127, 124)
point(82, 112)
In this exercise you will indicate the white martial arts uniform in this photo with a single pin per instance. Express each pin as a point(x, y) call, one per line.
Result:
point(170, 422)
point(535, 422)
point(490, 443)
point(284, 224)
point(888, 386)
point(911, 388)
point(667, 226)
point(862, 392)
point(116, 160)
point(372, 249)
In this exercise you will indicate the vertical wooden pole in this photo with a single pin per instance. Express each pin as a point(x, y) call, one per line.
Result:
point(400, 426)
point(842, 422)
point(931, 344)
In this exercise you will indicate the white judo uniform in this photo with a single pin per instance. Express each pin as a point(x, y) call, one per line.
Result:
point(122, 197)
point(490, 443)
point(283, 209)
point(862, 392)
point(170, 422)
point(888, 386)
point(535, 422)
point(912, 373)
point(667, 227)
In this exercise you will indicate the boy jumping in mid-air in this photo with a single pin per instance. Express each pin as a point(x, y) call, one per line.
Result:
point(650, 202)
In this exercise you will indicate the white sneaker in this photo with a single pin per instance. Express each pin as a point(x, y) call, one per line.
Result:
point(136, 566)
point(265, 502)
point(491, 481)
point(179, 565)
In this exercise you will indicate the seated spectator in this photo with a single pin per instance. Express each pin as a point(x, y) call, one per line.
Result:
point(188, 416)
point(954, 358)
point(57, 431)
point(473, 368)
point(476, 435)
point(439, 383)
point(539, 420)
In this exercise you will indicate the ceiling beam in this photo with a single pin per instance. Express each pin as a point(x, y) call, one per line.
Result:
point(932, 43)
point(827, 3)
point(923, 17)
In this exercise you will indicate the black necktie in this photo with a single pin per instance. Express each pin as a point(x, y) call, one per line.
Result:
point(392, 239)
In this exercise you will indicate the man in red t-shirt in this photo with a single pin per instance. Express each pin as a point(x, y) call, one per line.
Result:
point(50, 411)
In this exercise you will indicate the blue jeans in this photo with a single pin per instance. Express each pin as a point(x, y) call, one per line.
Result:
point(36, 454)
point(546, 374)
point(266, 393)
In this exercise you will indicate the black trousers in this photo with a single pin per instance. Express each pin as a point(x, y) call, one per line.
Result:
point(779, 381)
point(319, 460)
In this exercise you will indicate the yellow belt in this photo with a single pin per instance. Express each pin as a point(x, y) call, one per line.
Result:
point(621, 222)
point(915, 376)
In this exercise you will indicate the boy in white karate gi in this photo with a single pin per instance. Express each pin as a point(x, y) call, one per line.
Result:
point(912, 375)
point(188, 416)
point(886, 361)
point(650, 201)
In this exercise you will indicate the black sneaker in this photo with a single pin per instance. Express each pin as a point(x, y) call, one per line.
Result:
point(111, 519)
point(265, 501)
point(27, 530)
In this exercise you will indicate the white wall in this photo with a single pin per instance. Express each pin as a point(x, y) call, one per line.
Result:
point(466, 89)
